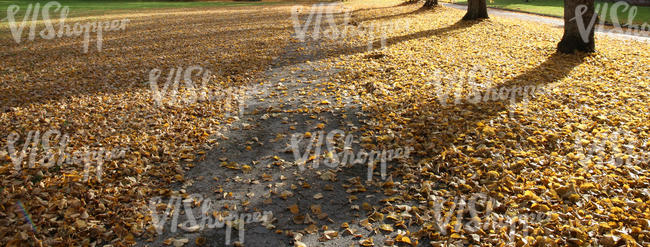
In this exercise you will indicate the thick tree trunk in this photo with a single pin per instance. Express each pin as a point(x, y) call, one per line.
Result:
point(578, 27)
point(476, 9)
point(430, 4)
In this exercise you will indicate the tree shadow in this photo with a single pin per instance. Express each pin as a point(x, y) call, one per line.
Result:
point(276, 183)
point(386, 7)
point(456, 27)
point(328, 51)
point(396, 16)
point(461, 119)
point(555, 68)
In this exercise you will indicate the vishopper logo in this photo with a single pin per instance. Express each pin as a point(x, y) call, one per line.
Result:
point(174, 93)
point(63, 29)
point(209, 217)
point(464, 86)
point(334, 31)
point(602, 10)
point(333, 159)
point(478, 214)
point(615, 148)
point(57, 155)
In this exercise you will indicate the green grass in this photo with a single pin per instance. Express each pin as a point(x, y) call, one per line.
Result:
point(556, 8)
point(98, 7)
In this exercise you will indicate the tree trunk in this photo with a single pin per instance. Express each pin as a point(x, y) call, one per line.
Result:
point(476, 9)
point(578, 29)
point(429, 4)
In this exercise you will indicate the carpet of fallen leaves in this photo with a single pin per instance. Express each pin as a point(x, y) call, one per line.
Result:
point(102, 99)
point(530, 156)
point(524, 155)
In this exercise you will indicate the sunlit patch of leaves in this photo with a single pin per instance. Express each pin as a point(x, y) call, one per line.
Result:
point(522, 153)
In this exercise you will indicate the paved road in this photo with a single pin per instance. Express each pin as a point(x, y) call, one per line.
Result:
point(559, 22)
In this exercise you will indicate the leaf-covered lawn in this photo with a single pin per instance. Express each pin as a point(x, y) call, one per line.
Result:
point(578, 153)
point(103, 99)
point(532, 156)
